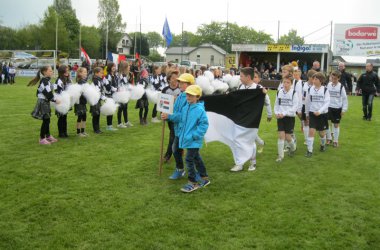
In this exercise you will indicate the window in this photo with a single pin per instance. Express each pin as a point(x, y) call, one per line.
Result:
point(120, 50)
point(199, 59)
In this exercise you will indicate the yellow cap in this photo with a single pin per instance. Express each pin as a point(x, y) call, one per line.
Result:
point(194, 90)
point(186, 77)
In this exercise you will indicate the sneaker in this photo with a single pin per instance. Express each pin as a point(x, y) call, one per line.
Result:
point(335, 144)
point(279, 159)
point(286, 149)
point(129, 124)
point(308, 154)
point(190, 187)
point(51, 139)
point(322, 148)
point(155, 120)
point(84, 134)
point(236, 168)
point(260, 148)
point(98, 132)
point(110, 128)
point(121, 125)
point(328, 142)
point(252, 167)
point(44, 141)
point(81, 135)
point(177, 174)
point(204, 182)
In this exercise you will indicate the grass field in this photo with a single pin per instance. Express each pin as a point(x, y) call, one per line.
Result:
point(104, 192)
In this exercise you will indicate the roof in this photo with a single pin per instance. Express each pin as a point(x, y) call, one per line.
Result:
point(355, 60)
point(188, 50)
point(215, 47)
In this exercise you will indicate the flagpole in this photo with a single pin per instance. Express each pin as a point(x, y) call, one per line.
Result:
point(181, 43)
point(107, 39)
point(140, 35)
point(80, 30)
point(134, 48)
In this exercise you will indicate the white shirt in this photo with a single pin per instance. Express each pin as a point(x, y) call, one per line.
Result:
point(317, 100)
point(286, 103)
point(338, 96)
point(266, 101)
point(305, 89)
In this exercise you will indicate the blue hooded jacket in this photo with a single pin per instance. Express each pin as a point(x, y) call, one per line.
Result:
point(180, 102)
point(192, 126)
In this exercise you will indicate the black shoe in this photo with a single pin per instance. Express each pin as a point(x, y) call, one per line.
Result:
point(98, 132)
point(322, 148)
point(308, 154)
point(61, 136)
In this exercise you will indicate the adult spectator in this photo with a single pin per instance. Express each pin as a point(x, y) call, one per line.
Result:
point(316, 66)
point(345, 78)
point(368, 85)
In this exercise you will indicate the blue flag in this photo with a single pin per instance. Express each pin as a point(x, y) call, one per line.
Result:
point(166, 33)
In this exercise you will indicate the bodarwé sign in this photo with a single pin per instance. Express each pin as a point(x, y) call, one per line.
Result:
point(356, 40)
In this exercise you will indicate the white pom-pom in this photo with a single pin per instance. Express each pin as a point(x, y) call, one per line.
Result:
point(227, 78)
point(204, 83)
point(109, 107)
point(137, 91)
point(219, 86)
point(91, 93)
point(209, 75)
point(152, 95)
point(235, 82)
point(64, 103)
point(122, 96)
point(75, 91)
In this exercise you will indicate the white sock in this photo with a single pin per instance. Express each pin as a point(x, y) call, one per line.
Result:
point(336, 134)
point(292, 145)
point(259, 141)
point(294, 137)
point(253, 158)
point(310, 142)
point(328, 134)
point(306, 132)
point(323, 140)
point(280, 148)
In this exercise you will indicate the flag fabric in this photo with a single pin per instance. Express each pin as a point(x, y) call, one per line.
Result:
point(122, 58)
point(234, 120)
point(84, 56)
point(166, 33)
point(113, 57)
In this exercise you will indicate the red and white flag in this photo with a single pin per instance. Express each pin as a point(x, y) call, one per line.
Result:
point(85, 56)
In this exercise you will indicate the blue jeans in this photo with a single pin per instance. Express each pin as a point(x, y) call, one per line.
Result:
point(367, 100)
point(193, 158)
point(177, 153)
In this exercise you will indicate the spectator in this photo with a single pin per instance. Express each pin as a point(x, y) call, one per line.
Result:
point(345, 78)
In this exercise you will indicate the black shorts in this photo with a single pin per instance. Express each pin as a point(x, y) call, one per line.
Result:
point(335, 115)
point(303, 118)
point(319, 123)
point(286, 124)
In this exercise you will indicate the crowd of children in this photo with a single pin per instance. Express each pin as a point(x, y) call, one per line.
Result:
point(311, 101)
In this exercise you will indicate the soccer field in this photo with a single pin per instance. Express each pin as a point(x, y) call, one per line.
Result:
point(104, 191)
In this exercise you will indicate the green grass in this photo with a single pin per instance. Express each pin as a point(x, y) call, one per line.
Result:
point(104, 192)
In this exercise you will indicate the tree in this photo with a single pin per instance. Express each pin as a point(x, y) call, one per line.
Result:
point(8, 39)
point(91, 41)
point(29, 37)
point(67, 13)
point(109, 16)
point(291, 38)
point(154, 56)
point(154, 39)
point(189, 40)
point(144, 43)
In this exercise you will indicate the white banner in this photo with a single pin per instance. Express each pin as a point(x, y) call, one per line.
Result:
point(356, 40)
point(26, 72)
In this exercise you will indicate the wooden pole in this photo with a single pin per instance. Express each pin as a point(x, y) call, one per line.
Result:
point(162, 147)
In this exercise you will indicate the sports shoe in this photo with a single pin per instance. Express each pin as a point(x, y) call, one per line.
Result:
point(286, 149)
point(110, 128)
point(204, 182)
point(190, 187)
point(279, 159)
point(84, 134)
point(155, 120)
point(335, 144)
point(121, 125)
point(252, 167)
point(128, 124)
point(177, 174)
point(328, 142)
point(322, 148)
point(308, 154)
point(81, 135)
point(236, 168)
point(260, 148)
point(51, 139)
point(44, 142)
point(98, 132)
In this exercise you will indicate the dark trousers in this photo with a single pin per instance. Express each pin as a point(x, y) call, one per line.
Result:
point(45, 128)
point(367, 101)
point(177, 153)
point(146, 109)
point(154, 112)
point(109, 120)
point(169, 150)
point(193, 158)
point(62, 125)
point(123, 108)
point(96, 122)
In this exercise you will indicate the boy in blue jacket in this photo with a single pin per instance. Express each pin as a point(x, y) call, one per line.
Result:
point(193, 127)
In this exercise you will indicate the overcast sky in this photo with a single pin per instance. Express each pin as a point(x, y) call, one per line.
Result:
point(304, 16)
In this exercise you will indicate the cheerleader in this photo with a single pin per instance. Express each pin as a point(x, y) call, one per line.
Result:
point(81, 109)
point(61, 84)
point(158, 84)
point(143, 103)
point(125, 78)
point(110, 87)
point(95, 109)
point(42, 109)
